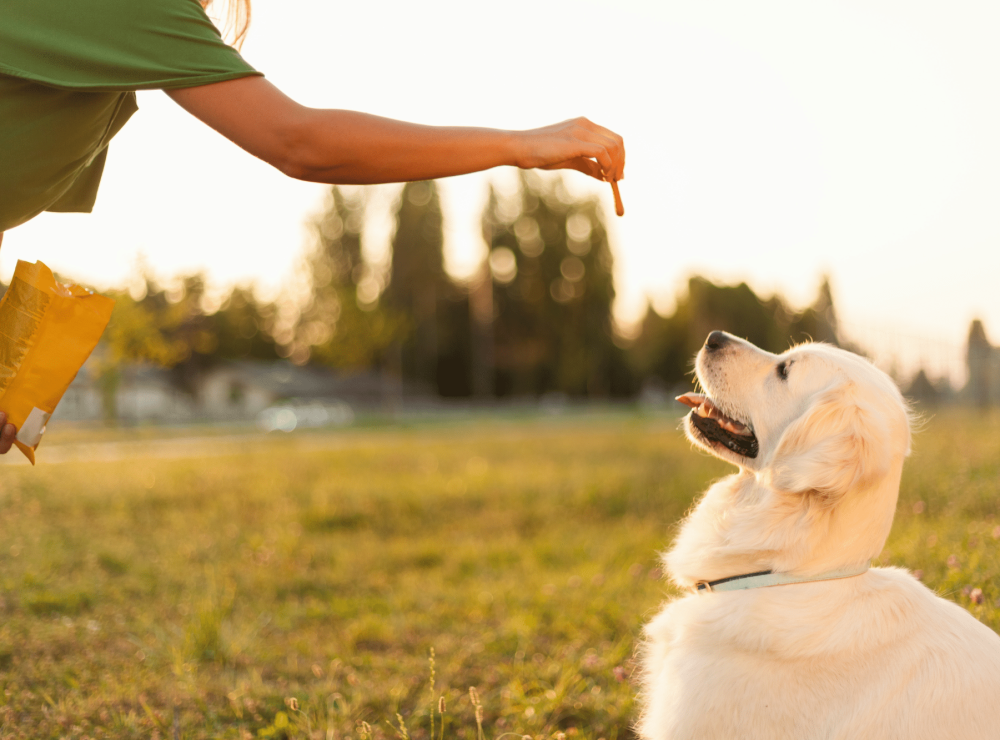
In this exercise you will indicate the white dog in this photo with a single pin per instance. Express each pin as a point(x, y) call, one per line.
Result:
point(812, 644)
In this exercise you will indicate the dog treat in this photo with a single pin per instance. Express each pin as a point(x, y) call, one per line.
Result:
point(47, 331)
point(619, 206)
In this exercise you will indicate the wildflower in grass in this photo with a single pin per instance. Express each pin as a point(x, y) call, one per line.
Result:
point(441, 710)
point(292, 703)
point(431, 661)
point(952, 561)
point(619, 673)
point(918, 574)
point(474, 698)
point(401, 730)
point(976, 596)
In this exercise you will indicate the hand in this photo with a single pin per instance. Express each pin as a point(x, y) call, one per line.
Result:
point(576, 144)
point(7, 434)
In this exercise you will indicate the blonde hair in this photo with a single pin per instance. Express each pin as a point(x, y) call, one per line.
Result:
point(235, 20)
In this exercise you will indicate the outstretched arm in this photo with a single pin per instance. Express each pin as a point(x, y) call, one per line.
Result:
point(348, 148)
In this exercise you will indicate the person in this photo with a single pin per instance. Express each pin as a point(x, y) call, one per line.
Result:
point(69, 73)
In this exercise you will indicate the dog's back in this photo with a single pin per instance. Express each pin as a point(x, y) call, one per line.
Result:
point(877, 656)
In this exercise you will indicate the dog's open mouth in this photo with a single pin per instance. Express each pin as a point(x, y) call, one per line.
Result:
point(717, 428)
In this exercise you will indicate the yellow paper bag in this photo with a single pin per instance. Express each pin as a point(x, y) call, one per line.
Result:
point(47, 331)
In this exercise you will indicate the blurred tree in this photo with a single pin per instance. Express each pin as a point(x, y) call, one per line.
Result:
point(667, 344)
point(343, 324)
point(981, 359)
point(137, 334)
point(922, 390)
point(818, 322)
point(418, 281)
point(241, 328)
point(552, 290)
point(189, 328)
point(169, 328)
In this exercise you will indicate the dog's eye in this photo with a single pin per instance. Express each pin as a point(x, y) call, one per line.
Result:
point(782, 370)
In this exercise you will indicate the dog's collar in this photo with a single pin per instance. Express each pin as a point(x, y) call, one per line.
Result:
point(766, 578)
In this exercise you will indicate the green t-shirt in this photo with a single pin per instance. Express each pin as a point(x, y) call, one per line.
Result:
point(68, 72)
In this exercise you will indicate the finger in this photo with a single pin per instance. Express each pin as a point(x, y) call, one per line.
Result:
point(603, 157)
point(613, 160)
point(614, 143)
point(616, 148)
point(7, 438)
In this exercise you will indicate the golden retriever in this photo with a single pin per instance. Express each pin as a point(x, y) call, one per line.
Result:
point(819, 436)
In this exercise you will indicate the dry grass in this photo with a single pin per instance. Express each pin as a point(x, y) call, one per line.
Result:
point(292, 590)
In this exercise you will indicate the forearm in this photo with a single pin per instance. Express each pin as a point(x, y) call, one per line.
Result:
point(345, 147)
point(349, 148)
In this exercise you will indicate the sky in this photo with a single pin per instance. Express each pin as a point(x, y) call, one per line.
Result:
point(772, 142)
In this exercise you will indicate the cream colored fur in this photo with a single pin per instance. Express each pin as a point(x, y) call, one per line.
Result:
point(873, 656)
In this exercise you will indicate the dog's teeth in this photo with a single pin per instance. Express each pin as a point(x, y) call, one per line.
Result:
point(735, 427)
point(702, 406)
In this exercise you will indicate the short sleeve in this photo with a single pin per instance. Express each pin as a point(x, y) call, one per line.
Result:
point(115, 45)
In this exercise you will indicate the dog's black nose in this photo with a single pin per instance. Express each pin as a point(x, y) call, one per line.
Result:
point(716, 340)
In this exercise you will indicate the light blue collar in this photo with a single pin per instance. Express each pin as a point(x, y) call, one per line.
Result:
point(766, 578)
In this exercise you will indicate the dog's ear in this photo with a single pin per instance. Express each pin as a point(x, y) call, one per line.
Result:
point(834, 447)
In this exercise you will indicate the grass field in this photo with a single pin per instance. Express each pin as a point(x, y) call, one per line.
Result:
point(295, 585)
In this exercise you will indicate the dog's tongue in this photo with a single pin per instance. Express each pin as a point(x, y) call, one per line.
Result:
point(692, 400)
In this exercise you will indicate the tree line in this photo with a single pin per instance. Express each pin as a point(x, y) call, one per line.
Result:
point(536, 317)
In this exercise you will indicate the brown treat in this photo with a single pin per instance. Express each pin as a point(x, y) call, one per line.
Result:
point(619, 206)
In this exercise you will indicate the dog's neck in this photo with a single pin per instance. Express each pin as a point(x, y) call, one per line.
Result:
point(742, 526)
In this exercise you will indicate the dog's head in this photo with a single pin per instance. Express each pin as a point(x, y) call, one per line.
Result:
point(819, 434)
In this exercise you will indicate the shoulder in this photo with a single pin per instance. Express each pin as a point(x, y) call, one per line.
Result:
point(114, 45)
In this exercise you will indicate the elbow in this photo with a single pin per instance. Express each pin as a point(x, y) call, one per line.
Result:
point(308, 150)
point(295, 168)
point(295, 153)
point(305, 154)
point(296, 162)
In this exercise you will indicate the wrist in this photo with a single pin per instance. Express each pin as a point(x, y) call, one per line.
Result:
point(514, 149)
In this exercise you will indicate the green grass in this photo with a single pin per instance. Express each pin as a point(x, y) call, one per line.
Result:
point(296, 588)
